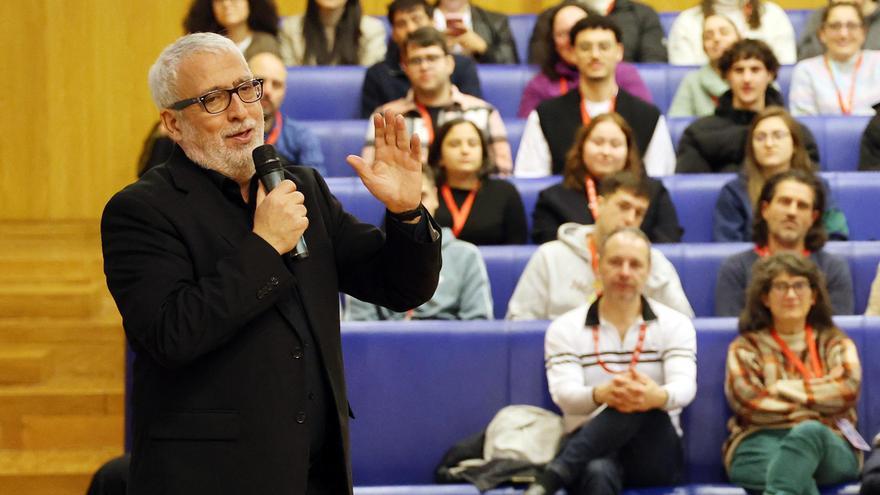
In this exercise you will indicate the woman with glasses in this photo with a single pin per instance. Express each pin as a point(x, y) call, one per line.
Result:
point(251, 24)
point(607, 145)
point(774, 144)
point(755, 19)
point(792, 382)
point(479, 209)
point(332, 32)
point(700, 90)
point(846, 79)
point(810, 45)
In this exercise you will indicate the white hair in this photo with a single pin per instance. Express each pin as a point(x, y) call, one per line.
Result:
point(163, 74)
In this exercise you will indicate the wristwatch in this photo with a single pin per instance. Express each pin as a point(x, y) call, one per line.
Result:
point(408, 215)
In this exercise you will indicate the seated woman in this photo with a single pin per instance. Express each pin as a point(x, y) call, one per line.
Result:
point(844, 81)
point(251, 24)
point(700, 90)
point(558, 70)
point(605, 146)
point(478, 209)
point(463, 292)
point(792, 382)
point(809, 45)
point(476, 32)
point(332, 32)
point(774, 144)
point(755, 19)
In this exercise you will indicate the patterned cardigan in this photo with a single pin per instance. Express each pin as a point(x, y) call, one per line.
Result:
point(766, 392)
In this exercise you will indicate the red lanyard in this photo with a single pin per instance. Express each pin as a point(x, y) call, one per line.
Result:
point(426, 118)
point(585, 117)
point(459, 217)
point(276, 129)
point(592, 201)
point(563, 85)
point(815, 370)
point(845, 107)
point(643, 329)
point(764, 251)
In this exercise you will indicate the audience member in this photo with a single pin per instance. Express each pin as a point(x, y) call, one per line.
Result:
point(550, 129)
point(387, 81)
point(700, 90)
point(463, 291)
point(774, 145)
point(871, 471)
point(844, 81)
point(717, 143)
point(810, 45)
point(562, 274)
point(605, 146)
point(478, 208)
point(621, 369)
point(754, 19)
point(641, 32)
point(293, 140)
point(792, 381)
point(434, 99)
point(789, 221)
point(251, 24)
point(332, 32)
point(476, 32)
point(559, 69)
point(873, 308)
point(869, 150)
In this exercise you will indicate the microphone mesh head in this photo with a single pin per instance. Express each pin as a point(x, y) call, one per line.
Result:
point(266, 159)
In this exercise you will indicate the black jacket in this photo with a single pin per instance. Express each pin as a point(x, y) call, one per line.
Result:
point(221, 323)
point(494, 28)
point(640, 25)
point(717, 143)
point(558, 204)
point(386, 81)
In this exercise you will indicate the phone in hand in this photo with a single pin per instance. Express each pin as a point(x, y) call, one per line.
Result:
point(455, 25)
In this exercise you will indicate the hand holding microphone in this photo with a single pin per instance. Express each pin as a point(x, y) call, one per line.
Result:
point(280, 217)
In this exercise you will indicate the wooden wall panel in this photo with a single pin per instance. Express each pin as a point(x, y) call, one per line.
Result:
point(71, 137)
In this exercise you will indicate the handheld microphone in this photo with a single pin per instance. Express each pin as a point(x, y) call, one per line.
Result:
point(271, 173)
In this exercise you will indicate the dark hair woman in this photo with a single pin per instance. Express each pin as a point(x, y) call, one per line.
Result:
point(792, 382)
point(251, 24)
point(332, 32)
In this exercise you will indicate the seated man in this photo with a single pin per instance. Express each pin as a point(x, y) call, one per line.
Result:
point(550, 128)
point(620, 369)
point(561, 275)
point(386, 81)
point(717, 143)
point(434, 99)
point(788, 218)
point(463, 292)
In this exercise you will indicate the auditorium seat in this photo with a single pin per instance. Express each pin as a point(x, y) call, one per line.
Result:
point(323, 93)
point(504, 265)
point(339, 138)
point(655, 77)
point(515, 129)
point(838, 138)
point(521, 26)
point(694, 197)
point(503, 86)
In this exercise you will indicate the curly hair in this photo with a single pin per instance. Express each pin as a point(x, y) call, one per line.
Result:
point(756, 316)
point(746, 49)
point(816, 235)
point(200, 18)
point(575, 170)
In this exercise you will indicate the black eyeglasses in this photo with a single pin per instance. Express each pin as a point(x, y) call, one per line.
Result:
point(218, 100)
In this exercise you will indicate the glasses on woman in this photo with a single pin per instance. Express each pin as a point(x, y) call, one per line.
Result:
point(800, 287)
point(776, 135)
point(839, 26)
point(218, 100)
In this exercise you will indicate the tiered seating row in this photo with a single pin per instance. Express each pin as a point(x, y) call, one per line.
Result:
point(694, 197)
point(418, 387)
point(697, 266)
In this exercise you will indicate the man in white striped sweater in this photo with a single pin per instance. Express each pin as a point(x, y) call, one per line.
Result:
point(620, 369)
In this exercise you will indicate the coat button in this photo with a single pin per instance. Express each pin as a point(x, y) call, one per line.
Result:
point(297, 353)
point(300, 417)
point(311, 396)
point(274, 281)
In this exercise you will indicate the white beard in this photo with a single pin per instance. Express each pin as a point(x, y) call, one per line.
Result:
point(211, 152)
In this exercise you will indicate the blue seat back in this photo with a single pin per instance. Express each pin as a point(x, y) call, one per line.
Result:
point(323, 93)
point(529, 190)
point(515, 129)
point(694, 197)
point(339, 138)
point(655, 77)
point(503, 86)
point(838, 139)
point(521, 27)
point(504, 265)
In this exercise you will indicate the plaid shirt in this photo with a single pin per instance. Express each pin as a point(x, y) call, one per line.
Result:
point(478, 111)
point(756, 366)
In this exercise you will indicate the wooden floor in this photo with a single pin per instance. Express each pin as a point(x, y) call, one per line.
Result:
point(61, 359)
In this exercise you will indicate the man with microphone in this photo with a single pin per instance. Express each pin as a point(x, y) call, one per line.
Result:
point(238, 377)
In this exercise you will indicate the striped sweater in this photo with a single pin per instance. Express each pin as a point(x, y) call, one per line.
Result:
point(766, 392)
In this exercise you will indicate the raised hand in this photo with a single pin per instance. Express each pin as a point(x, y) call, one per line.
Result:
point(395, 176)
